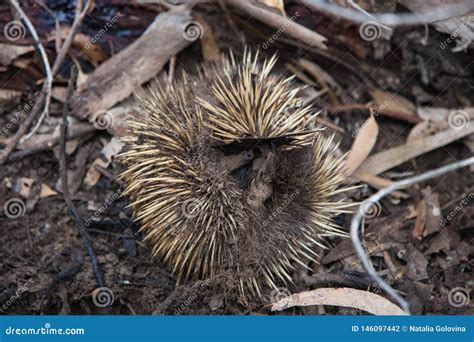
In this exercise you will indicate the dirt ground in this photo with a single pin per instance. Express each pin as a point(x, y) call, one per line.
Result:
point(45, 268)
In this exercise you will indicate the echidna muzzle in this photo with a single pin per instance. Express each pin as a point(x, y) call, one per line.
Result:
point(212, 196)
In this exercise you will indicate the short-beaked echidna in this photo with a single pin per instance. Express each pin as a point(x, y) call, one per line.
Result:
point(229, 176)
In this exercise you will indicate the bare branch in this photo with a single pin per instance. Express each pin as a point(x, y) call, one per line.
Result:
point(47, 87)
point(279, 22)
point(355, 224)
point(391, 19)
point(65, 189)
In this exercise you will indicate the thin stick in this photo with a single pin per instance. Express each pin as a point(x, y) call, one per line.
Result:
point(355, 224)
point(99, 276)
point(79, 132)
point(47, 87)
point(279, 22)
point(39, 102)
point(391, 19)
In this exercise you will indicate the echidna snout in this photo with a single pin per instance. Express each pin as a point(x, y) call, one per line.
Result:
point(261, 178)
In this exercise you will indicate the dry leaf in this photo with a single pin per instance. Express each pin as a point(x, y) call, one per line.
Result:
point(363, 144)
point(347, 297)
point(426, 128)
point(7, 95)
point(210, 48)
point(24, 185)
point(389, 102)
point(59, 94)
point(46, 191)
point(9, 52)
point(395, 156)
point(278, 4)
point(111, 149)
point(84, 43)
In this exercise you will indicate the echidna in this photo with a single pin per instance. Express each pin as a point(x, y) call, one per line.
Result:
point(229, 176)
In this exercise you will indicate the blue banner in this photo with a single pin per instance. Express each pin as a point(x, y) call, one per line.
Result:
point(242, 328)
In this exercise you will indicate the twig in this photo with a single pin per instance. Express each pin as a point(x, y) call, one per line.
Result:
point(65, 189)
point(279, 22)
point(39, 103)
point(48, 85)
point(50, 143)
point(383, 111)
point(390, 19)
point(355, 224)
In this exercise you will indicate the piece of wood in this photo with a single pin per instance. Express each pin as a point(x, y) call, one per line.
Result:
point(392, 157)
point(286, 25)
point(117, 78)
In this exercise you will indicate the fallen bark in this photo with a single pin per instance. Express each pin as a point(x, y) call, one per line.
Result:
point(117, 78)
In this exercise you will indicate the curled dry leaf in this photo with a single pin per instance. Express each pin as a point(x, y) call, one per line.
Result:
point(344, 296)
point(363, 144)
